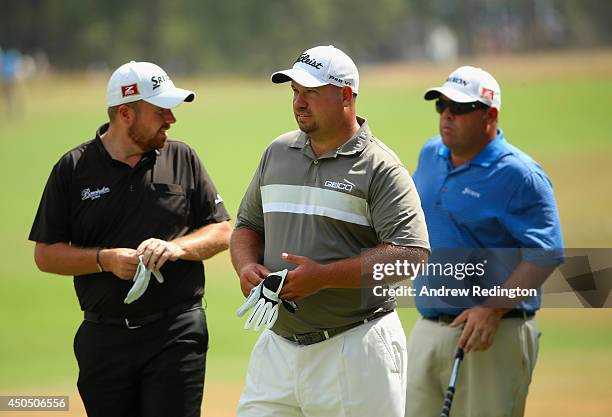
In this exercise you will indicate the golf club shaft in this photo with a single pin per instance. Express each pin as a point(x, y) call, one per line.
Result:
point(450, 392)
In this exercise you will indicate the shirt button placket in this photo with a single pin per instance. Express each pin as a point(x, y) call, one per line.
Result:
point(314, 171)
point(443, 190)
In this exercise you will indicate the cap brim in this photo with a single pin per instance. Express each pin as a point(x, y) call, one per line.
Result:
point(299, 76)
point(451, 93)
point(171, 98)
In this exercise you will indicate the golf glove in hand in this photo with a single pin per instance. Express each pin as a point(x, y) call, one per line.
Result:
point(141, 281)
point(264, 298)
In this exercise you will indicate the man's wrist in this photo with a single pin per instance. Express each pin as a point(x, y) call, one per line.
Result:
point(98, 260)
point(245, 268)
point(324, 281)
point(178, 250)
point(500, 311)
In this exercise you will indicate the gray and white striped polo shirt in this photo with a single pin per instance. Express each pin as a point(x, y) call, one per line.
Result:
point(327, 209)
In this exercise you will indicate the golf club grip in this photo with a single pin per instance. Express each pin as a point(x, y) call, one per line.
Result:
point(448, 401)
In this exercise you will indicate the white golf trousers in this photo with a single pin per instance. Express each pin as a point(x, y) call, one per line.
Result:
point(358, 373)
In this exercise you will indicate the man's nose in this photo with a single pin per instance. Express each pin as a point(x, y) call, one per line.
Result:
point(169, 116)
point(299, 102)
point(447, 114)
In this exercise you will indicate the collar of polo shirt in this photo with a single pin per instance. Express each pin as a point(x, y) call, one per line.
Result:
point(354, 145)
point(494, 151)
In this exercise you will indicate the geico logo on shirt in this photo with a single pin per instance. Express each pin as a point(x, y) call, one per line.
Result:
point(88, 194)
point(339, 185)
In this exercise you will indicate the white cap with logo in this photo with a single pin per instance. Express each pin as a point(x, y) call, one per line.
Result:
point(319, 66)
point(468, 84)
point(144, 81)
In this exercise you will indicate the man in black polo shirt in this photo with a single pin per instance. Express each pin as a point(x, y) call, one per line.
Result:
point(126, 195)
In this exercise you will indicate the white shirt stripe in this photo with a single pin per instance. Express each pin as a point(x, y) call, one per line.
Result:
point(280, 207)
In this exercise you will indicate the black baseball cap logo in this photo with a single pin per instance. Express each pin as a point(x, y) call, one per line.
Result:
point(306, 59)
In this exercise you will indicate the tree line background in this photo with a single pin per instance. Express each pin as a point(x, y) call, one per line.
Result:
point(251, 36)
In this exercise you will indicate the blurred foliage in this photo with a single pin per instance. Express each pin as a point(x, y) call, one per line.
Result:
point(241, 36)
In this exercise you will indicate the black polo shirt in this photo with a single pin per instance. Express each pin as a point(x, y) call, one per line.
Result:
point(92, 200)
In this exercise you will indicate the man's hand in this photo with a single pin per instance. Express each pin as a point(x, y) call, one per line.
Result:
point(141, 282)
point(479, 327)
point(156, 252)
point(304, 280)
point(251, 276)
point(120, 261)
point(264, 298)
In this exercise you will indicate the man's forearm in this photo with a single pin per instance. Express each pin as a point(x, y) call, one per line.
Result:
point(205, 242)
point(525, 276)
point(246, 247)
point(64, 259)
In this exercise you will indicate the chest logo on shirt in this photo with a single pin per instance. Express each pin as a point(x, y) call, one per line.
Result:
point(470, 192)
point(339, 185)
point(88, 194)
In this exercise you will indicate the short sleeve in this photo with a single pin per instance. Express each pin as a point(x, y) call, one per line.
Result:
point(207, 203)
point(52, 221)
point(395, 209)
point(533, 220)
point(250, 211)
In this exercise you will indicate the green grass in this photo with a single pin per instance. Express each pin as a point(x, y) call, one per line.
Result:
point(560, 120)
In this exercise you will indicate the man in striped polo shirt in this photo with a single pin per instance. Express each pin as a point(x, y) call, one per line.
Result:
point(320, 197)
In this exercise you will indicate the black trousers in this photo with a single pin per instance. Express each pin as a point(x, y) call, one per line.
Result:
point(155, 370)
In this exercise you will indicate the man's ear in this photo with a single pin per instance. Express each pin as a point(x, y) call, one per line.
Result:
point(126, 114)
point(347, 96)
point(492, 114)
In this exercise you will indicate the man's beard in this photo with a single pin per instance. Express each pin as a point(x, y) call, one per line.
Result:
point(306, 128)
point(146, 142)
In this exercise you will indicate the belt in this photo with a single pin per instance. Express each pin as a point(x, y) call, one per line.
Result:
point(316, 337)
point(512, 314)
point(136, 322)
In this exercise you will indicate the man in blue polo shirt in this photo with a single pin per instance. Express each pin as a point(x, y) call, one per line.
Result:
point(489, 205)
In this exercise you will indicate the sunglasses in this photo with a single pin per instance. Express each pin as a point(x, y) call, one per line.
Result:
point(459, 108)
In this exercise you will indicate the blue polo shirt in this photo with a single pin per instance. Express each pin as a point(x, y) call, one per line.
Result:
point(501, 200)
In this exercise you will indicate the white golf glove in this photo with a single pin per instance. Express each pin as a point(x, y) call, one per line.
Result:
point(265, 299)
point(141, 281)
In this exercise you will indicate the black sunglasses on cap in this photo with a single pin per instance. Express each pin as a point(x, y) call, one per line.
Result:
point(459, 108)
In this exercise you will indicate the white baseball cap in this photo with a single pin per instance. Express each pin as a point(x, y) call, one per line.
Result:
point(144, 81)
point(468, 84)
point(319, 66)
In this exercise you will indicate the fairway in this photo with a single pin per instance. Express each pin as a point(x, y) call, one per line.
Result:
point(555, 108)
